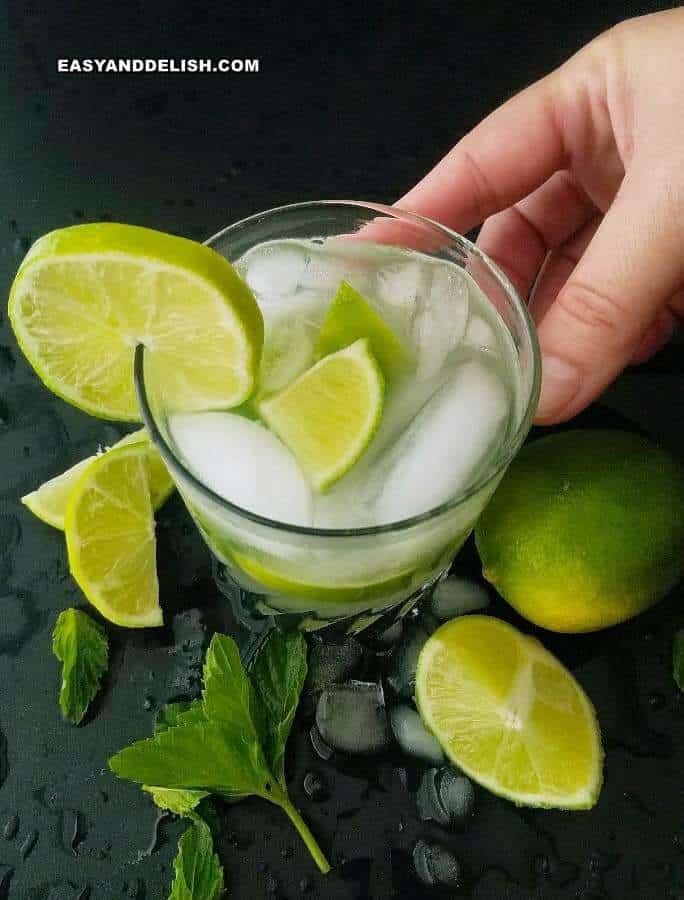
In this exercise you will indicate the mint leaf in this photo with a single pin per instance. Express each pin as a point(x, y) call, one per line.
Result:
point(185, 712)
point(233, 743)
point(678, 659)
point(194, 757)
point(277, 677)
point(174, 715)
point(80, 644)
point(198, 872)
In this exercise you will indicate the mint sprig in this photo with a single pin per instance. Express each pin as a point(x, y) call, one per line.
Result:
point(233, 744)
point(80, 644)
point(198, 871)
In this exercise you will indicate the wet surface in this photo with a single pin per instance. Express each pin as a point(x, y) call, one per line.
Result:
point(188, 155)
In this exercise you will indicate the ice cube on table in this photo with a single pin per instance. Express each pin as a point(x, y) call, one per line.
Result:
point(444, 446)
point(441, 319)
point(274, 268)
point(480, 334)
point(244, 463)
point(413, 737)
point(455, 596)
point(352, 717)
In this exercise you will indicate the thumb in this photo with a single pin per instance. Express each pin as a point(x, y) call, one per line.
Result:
point(632, 266)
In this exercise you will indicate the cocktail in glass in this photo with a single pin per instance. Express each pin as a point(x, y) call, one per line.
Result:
point(368, 549)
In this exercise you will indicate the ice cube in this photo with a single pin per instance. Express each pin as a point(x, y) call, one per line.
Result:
point(401, 285)
point(456, 596)
point(435, 865)
point(352, 717)
point(413, 737)
point(442, 449)
point(331, 663)
point(441, 319)
point(274, 268)
point(401, 674)
point(244, 463)
point(445, 797)
point(333, 262)
point(288, 351)
point(480, 334)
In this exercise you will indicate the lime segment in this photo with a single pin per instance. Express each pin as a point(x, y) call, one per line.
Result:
point(49, 501)
point(351, 317)
point(509, 714)
point(328, 415)
point(85, 296)
point(109, 527)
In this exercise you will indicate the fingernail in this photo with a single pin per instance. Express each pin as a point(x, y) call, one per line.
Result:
point(560, 386)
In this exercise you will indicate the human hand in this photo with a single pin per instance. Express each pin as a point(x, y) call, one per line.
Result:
point(582, 176)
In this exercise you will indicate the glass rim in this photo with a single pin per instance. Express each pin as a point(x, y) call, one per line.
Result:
point(504, 456)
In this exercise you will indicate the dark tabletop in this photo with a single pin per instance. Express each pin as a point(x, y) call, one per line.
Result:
point(352, 100)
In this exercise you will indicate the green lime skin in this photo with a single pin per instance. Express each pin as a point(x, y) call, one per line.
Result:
point(585, 530)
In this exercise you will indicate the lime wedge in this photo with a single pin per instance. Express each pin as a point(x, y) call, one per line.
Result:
point(509, 714)
point(109, 526)
point(85, 296)
point(328, 415)
point(49, 501)
point(351, 317)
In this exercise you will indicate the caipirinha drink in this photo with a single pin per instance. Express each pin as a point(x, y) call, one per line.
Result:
point(389, 385)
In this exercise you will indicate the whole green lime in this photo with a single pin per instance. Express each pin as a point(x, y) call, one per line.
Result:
point(585, 530)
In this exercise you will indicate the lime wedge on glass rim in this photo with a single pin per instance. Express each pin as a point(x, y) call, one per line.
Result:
point(86, 295)
point(509, 714)
point(328, 415)
point(49, 501)
point(109, 527)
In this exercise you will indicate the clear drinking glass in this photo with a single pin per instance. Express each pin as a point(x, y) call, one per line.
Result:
point(349, 578)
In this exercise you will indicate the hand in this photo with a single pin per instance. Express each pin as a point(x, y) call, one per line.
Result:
point(582, 176)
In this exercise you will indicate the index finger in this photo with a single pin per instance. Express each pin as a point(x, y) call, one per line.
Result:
point(509, 154)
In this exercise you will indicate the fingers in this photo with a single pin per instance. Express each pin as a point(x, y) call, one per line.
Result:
point(519, 238)
point(630, 269)
point(502, 160)
point(558, 267)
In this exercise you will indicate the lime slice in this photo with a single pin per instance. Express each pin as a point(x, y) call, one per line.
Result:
point(49, 501)
point(328, 415)
point(85, 296)
point(509, 714)
point(109, 527)
point(349, 318)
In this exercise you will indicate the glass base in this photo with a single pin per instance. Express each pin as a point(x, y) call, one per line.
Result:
point(252, 612)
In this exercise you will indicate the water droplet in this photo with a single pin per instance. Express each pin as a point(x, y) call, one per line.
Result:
point(271, 884)
point(305, 885)
point(28, 844)
point(541, 865)
point(11, 827)
point(656, 701)
point(315, 786)
point(148, 703)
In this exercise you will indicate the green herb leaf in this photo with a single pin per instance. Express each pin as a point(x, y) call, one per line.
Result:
point(185, 712)
point(233, 744)
point(198, 871)
point(80, 644)
point(174, 715)
point(195, 757)
point(678, 659)
point(277, 677)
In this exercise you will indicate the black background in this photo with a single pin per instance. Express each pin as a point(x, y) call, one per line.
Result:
point(351, 100)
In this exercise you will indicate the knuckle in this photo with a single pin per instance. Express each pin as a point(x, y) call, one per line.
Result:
point(591, 309)
point(486, 198)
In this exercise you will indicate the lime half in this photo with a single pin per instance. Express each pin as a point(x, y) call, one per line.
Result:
point(509, 714)
point(109, 526)
point(328, 415)
point(85, 296)
point(49, 501)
